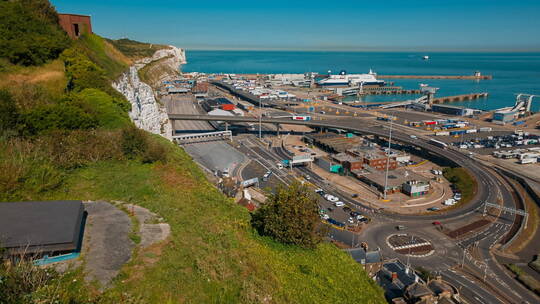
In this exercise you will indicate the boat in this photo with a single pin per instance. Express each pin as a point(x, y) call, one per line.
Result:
point(425, 57)
point(344, 79)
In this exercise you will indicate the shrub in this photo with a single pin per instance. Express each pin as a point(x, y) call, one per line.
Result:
point(102, 107)
point(30, 34)
point(133, 142)
point(61, 116)
point(8, 112)
point(290, 216)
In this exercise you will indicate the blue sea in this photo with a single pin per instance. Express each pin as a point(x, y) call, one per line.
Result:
point(512, 72)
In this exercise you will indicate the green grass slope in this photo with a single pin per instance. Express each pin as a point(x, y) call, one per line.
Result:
point(78, 143)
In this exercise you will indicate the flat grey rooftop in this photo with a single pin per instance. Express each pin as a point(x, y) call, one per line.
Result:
point(29, 224)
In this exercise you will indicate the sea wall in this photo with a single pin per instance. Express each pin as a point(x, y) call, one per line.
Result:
point(146, 111)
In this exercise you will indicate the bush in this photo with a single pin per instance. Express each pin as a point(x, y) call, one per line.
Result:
point(133, 142)
point(8, 112)
point(102, 107)
point(61, 116)
point(138, 144)
point(290, 216)
point(30, 34)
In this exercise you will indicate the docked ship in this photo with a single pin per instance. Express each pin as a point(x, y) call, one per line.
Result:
point(344, 79)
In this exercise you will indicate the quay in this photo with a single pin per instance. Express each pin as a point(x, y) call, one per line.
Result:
point(387, 90)
point(462, 97)
point(462, 77)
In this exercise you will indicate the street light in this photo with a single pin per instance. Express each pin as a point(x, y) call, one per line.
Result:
point(388, 156)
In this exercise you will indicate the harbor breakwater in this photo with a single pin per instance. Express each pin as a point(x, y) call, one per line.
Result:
point(146, 112)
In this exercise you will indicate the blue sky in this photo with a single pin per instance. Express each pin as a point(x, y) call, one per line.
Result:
point(389, 25)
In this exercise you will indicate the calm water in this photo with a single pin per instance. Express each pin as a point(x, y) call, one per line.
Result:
point(512, 72)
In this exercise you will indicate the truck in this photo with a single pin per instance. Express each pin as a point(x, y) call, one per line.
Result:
point(485, 129)
point(471, 131)
point(442, 133)
point(528, 160)
point(301, 117)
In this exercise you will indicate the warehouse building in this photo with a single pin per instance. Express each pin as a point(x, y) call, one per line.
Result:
point(42, 229)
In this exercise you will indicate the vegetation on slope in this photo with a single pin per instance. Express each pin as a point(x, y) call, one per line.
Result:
point(135, 49)
point(463, 181)
point(30, 34)
point(80, 144)
point(290, 216)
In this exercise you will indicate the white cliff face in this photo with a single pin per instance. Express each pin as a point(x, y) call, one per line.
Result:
point(146, 112)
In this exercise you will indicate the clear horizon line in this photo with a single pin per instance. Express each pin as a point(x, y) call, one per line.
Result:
point(490, 50)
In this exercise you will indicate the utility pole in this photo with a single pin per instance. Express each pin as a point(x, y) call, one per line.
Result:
point(388, 156)
point(260, 118)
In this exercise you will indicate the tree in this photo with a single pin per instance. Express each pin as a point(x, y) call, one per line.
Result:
point(290, 216)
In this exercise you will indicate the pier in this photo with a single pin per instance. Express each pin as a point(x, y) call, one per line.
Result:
point(463, 97)
point(387, 90)
point(462, 77)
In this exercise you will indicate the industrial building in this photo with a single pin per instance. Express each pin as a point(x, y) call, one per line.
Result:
point(404, 181)
point(504, 116)
point(42, 229)
point(453, 110)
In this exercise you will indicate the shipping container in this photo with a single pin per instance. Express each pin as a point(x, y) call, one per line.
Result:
point(471, 131)
point(485, 129)
point(431, 122)
point(443, 133)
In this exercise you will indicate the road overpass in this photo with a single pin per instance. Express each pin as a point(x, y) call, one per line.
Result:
point(490, 189)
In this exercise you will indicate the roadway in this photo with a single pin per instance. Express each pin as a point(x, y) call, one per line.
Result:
point(490, 189)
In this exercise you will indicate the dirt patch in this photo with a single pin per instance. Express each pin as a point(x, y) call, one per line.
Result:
point(172, 177)
point(460, 232)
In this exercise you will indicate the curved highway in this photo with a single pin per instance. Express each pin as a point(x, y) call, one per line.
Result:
point(490, 189)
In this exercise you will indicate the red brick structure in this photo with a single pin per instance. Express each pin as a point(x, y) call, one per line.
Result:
point(75, 25)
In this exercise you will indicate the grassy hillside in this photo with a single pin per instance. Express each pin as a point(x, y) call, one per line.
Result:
point(135, 49)
point(73, 140)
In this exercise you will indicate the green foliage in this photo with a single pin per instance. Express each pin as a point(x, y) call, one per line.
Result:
point(526, 279)
point(464, 182)
point(290, 216)
point(96, 49)
point(135, 49)
point(29, 34)
point(60, 116)
point(104, 108)
point(82, 73)
point(535, 264)
point(137, 144)
point(8, 112)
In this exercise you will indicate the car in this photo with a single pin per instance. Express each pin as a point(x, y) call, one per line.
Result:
point(401, 227)
point(319, 190)
point(351, 220)
point(437, 223)
point(413, 136)
point(354, 195)
point(339, 204)
point(354, 213)
point(333, 199)
point(330, 209)
point(363, 219)
point(325, 216)
point(433, 209)
point(347, 209)
point(307, 177)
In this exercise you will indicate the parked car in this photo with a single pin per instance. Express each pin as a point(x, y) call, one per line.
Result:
point(437, 223)
point(330, 209)
point(325, 216)
point(354, 195)
point(347, 209)
point(339, 204)
point(354, 213)
point(433, 209)
point(401, 227)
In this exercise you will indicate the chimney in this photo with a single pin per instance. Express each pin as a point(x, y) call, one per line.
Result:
point(438, 278)
point(394, 276)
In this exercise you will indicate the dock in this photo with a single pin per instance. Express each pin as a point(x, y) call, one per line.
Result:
point(458, 98)
point(462, 77)
point(388, 90)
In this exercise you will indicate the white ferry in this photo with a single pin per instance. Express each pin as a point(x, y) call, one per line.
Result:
point(344, 79)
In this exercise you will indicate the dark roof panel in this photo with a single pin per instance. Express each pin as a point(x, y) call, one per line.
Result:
point(38, 224)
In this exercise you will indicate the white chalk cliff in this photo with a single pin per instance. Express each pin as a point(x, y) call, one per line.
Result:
point(146, 112)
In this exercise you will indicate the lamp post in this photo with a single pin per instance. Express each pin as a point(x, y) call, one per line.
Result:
point(388, 157)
